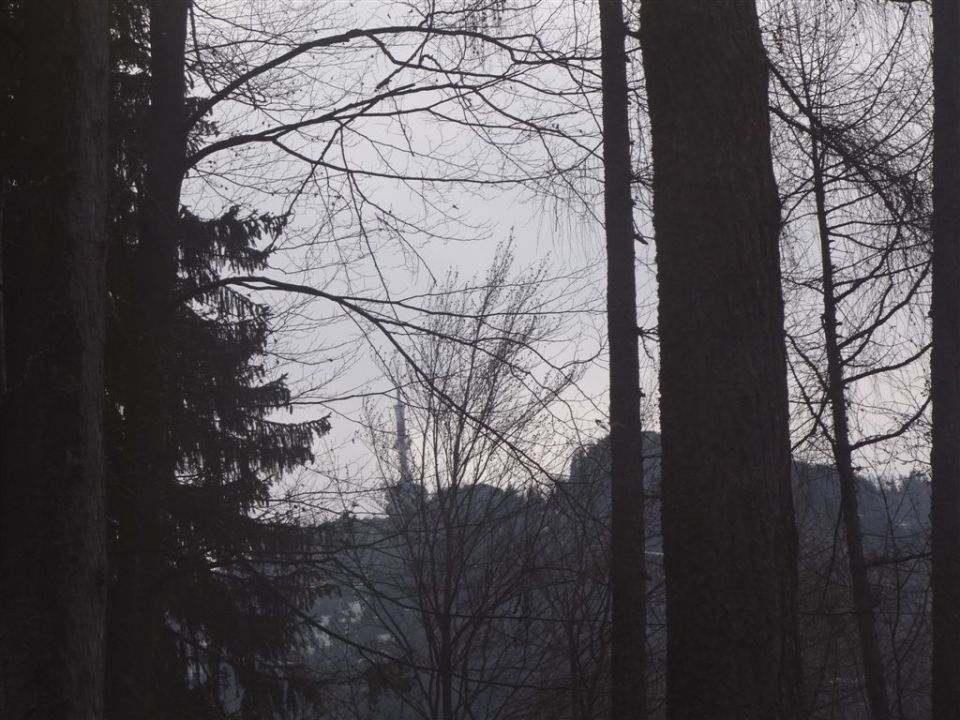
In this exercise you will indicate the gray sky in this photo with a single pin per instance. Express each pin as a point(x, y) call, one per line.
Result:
point(368, 235)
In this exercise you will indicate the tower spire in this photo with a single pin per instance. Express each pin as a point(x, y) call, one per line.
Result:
point(402, 444)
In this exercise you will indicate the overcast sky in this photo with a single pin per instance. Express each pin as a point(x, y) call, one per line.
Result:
point(370, 236)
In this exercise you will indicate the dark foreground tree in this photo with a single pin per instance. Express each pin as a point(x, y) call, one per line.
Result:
point(729, 536)
point(205, 580)
point(145, 465)
point(52, 566)
point(627, 537)
point(945, 361)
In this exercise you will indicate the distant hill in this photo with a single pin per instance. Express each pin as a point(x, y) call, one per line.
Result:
point(496, 600)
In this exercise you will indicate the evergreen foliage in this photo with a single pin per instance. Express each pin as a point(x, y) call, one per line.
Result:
point(235, 573)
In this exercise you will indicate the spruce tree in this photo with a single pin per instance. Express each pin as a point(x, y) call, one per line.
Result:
point(203, 603)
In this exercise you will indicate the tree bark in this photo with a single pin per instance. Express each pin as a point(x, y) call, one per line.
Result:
point(628, 562)
point(728, 527)
point(52, 557)
point(150, 455)
point(945, 361)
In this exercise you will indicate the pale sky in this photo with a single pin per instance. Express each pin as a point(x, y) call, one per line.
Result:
point(369, 236)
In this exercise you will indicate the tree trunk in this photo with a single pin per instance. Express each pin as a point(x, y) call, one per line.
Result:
point(945, 360)
point(52, 557)
point(149, 456)
point(627, 568)
point(728, 527)
point(863, 595)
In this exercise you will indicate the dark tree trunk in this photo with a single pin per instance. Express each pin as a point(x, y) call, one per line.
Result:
point(149, 456)
point(627, 569)
point(945, 360)
point(728, 527)
point(862, 593)
point(52, 558)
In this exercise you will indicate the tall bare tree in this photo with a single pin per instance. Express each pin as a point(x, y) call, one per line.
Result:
point(852, 152)
point(728, 528)
point(149, 456)
point(450, 621)
point(945, 360)
point(627, 536)
point(52, 557)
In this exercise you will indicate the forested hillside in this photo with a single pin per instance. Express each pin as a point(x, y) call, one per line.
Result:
point(529, 619)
